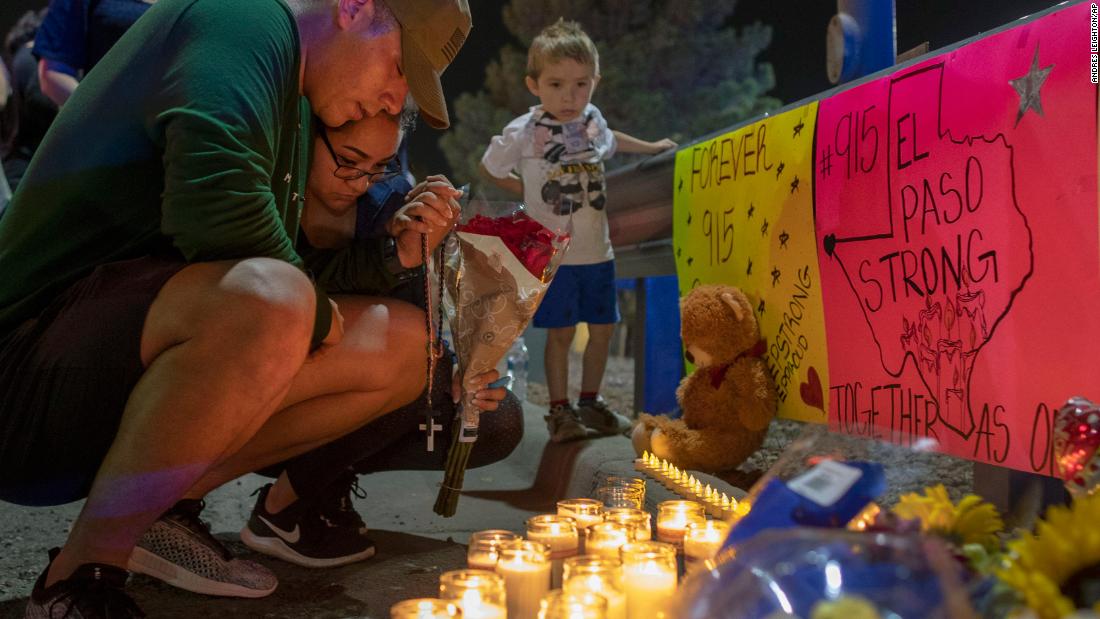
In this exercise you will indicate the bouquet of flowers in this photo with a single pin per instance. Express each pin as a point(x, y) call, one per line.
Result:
point(496, 269)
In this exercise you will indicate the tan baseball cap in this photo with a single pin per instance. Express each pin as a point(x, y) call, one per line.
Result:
point(432, 32)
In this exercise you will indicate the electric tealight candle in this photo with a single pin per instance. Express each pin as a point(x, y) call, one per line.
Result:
point(478, 593)
point(586, 512)
point(599, 575)
point(673, 518)
point(482, 552)
point(649, 579)
point(559, 533)
point(605, 538)
point(569, 605)
point(636, 519)
point(424, 608)
point(703, 540)
point(525, 567)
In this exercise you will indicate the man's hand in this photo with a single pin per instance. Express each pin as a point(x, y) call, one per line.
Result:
point(485, 398)
point(336, 329)
point(431, 208)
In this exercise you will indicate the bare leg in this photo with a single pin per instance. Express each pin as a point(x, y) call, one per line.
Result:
point(338, 390)
point(557, 361)
point(222, 343)
point(595, 356)
point(238, 394)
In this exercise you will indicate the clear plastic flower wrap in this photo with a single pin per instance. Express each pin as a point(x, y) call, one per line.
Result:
point(497, 266)
point(814, 573)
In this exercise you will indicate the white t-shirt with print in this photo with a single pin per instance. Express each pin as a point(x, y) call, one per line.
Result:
point(561, 165)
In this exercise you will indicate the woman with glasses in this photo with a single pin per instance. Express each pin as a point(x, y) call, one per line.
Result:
point(346, 163)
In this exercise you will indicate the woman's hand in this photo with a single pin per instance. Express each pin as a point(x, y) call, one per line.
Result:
point(431, 209)
point(485, 398)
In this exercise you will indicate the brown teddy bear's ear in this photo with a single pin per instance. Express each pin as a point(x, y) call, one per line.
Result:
point(728, 299)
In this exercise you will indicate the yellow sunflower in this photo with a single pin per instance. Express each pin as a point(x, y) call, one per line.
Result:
point(1041, 563)
point(971, 521)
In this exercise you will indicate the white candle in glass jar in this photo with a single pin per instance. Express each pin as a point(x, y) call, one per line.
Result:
point(559, 533)
point(482, 551)
point(635, 519)
point(586, 512)
point(606, 538)
point(703, 540)
point(649, 579)
point(673, 518)
point(478, 593)
point(605, 585)
point(525, 567)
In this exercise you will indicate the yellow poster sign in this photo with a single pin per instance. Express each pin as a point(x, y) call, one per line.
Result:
point(743, 216)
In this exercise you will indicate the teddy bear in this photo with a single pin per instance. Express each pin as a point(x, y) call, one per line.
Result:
point(730, 399)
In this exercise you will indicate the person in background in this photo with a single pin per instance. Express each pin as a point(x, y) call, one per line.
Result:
point(351, 168)
point(30, 112)
point(75, 36)
point(558, 149)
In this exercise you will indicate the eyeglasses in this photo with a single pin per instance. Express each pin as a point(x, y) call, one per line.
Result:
point(352, 173)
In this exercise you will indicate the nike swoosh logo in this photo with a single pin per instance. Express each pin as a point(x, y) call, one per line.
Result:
point(290, 537)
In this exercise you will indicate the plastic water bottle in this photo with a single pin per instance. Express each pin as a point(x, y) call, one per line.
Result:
point(517, 368)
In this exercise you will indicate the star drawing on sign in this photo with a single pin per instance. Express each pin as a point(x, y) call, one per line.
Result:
point(798, 129)
point(690, 260)
point(794, 184)
point(689, 219)
point(680, 187)
point(775, 277)
point(760, 308)
point(783, 238)
point(764, 228)
point(679, 250)
point(1028, 85)
point(779, 170)
point(749, 270)
point(752, 209)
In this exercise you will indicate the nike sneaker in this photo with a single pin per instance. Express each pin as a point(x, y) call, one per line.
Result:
point(300, 534)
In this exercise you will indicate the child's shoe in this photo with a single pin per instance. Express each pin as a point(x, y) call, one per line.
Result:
point(596, 415)
point(564, 424)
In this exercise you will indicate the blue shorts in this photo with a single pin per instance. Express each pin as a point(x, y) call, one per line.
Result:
point(580, 293)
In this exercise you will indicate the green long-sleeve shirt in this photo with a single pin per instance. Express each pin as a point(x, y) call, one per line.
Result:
point(184, 139)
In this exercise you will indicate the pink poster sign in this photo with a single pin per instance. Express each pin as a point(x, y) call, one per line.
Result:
point(956, 221)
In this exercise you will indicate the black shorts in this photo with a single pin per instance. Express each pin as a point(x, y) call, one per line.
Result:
point(65, 378)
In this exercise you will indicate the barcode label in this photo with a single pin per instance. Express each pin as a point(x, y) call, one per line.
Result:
point(826, 483)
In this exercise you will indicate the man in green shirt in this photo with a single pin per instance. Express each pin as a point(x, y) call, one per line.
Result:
point(157, 334)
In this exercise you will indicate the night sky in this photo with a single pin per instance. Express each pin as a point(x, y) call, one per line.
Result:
point(797, 51)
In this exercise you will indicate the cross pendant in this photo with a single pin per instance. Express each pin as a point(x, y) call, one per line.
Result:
point(430, 428)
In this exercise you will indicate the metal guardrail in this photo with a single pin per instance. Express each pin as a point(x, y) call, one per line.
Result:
point(639, 212)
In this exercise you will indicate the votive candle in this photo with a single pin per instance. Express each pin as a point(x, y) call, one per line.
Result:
point(606, 538)
point(586, 512)
point(702, 541)
point(673, 518)
point(635, 519)
point(424, 608)
point(525, 567)
point(599, 575)
point(559, 533)
point(478, 593)
point(482, 552)
point(560, 604)
point(649, 579)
